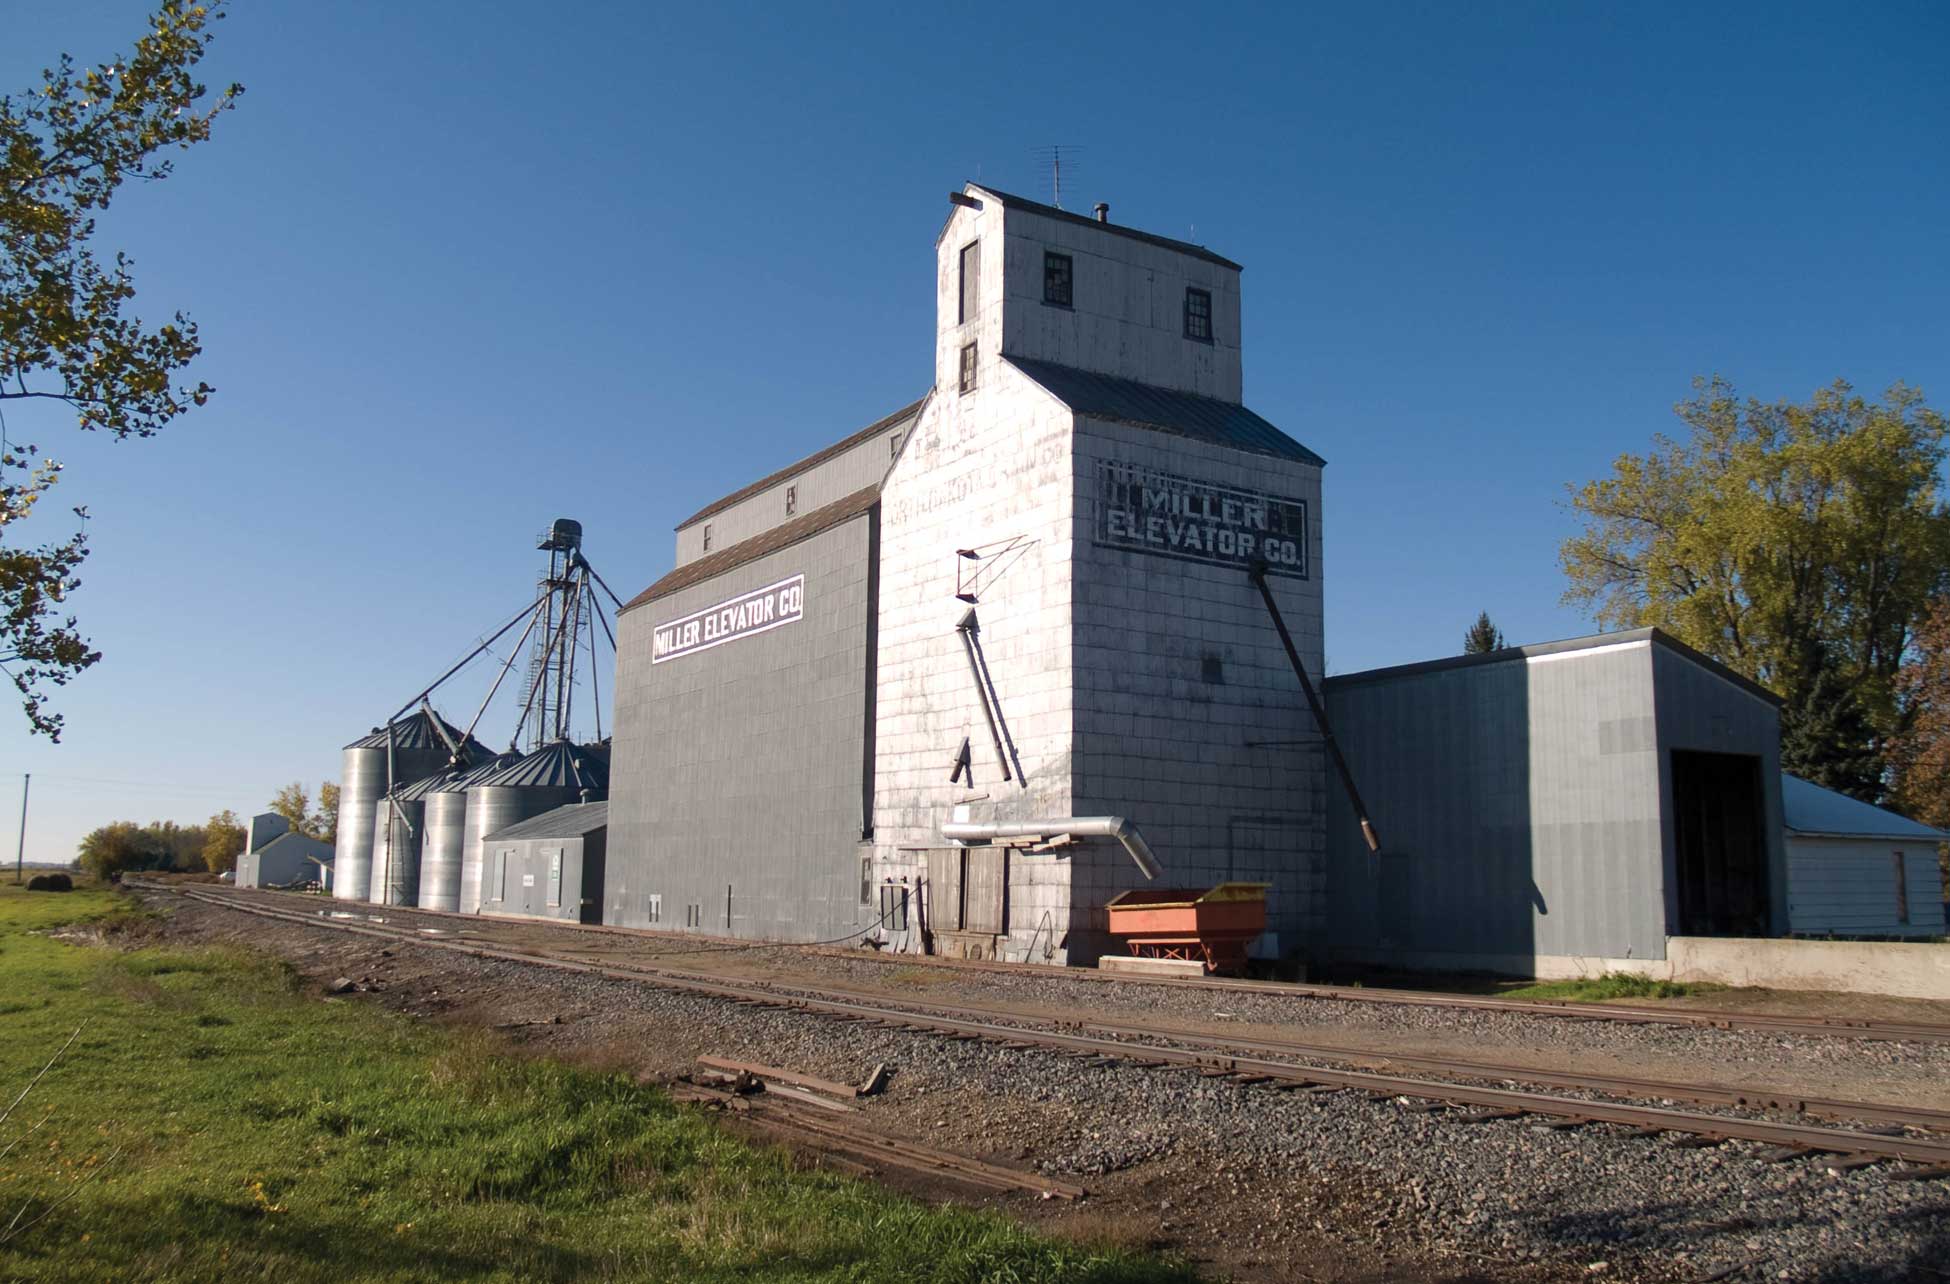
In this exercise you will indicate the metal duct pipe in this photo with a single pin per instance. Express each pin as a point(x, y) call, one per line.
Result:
point(1124, 831)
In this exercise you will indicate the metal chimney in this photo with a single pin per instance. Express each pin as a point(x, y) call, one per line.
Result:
point(1103, 212)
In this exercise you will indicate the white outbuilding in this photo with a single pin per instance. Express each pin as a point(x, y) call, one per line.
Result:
point(1857, 870)
point(277, 855)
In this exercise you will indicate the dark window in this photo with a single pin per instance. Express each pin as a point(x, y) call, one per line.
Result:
point(1198, 315)
point(894, 446)
point(1056, 278)
point(968, 368)
point(1902, 890)
point(707, 537)
point(971, 282)
point(791, 500)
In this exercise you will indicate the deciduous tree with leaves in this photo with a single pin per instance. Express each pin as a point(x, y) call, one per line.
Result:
point(1799, 543)
point(325, 821)
point(293, 802)
point(1920, 754)
point(67, 338)
point(223, 841)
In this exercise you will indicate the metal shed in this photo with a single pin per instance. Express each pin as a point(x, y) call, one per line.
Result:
point(1555, 809)
point(550, 866)
point(289, 858)
point(1858, 870)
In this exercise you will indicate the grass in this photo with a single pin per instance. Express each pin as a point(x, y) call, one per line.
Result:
point(1610, 987)
point(214, 1120)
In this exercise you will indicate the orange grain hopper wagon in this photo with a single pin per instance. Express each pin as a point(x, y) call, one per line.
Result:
point(1211, 926)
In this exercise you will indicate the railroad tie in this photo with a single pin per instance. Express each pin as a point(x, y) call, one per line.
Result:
point(1696, 1141)
point(1488, 1116)
point(1929, 1173)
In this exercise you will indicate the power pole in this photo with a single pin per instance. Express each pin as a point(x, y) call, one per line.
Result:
point(20, 852)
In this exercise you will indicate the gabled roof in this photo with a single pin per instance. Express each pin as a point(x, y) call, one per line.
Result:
point(1655, 637)
point(840, 447)
point(1808, 808)
point(758, 546)
point(1182, 414)
point(1050, 211)
point(292, 838)
point(571, 821)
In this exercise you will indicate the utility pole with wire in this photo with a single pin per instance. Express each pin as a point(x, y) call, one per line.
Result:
point(20, 852)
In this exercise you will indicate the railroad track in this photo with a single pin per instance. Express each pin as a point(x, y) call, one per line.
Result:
point(1252, 1062)
point(1623, 1013)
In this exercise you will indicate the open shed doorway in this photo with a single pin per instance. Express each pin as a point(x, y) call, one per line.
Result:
point(1720, 847)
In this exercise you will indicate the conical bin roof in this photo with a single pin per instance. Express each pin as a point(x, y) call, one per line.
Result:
point(560, 765)
point(417, 732)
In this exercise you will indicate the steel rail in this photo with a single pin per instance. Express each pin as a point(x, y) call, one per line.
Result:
point(1793, 1137)
point(1629, 1014)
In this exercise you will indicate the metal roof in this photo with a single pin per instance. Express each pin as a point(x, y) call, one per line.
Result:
point(1050, 211)
point(439, 782)
point(416, 732)
point(1656, 637)
point(1183, 414)
point(839, 447)
point(296, 839)
point(475, 775)
point(758, 546)
point(557, 765)
point(1808, 808)
point(571, 821)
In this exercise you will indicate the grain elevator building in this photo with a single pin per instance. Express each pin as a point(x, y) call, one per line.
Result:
point(1016, 612)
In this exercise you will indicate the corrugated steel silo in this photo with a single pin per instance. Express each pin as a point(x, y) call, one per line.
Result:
point(418, 750)
point(555, 774)
point(398, 833)
point(442, 876)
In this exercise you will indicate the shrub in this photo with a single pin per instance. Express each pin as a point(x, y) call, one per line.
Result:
point(50, 883)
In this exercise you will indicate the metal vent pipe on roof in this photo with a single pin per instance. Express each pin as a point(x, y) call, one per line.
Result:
point(1103, 211)
point(1116, 827)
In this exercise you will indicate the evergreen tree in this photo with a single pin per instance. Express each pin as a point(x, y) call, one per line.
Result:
point(1483, 636)
point(1826, 735)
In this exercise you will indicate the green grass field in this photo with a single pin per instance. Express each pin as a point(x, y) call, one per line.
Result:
point(213, 1121)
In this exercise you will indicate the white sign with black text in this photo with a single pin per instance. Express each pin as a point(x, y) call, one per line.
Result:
point(741, 617)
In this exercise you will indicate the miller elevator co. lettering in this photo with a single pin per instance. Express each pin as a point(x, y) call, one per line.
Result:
point(1148, 511)
point(741, 617)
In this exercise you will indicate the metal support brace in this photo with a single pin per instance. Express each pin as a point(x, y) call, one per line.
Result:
point(1258, 577)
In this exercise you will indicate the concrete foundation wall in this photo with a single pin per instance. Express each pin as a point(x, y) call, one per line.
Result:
point(1908, 970)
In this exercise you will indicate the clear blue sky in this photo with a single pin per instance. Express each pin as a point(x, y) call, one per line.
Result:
point(463, 267)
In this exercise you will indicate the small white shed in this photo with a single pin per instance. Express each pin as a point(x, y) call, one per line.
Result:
point(1857, 870)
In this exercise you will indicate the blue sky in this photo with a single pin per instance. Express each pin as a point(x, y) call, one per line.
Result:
point(462, 268)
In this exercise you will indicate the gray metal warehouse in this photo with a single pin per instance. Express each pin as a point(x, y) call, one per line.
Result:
point(960, 679)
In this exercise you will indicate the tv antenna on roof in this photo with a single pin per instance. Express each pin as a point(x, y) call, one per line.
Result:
point(1057, 156)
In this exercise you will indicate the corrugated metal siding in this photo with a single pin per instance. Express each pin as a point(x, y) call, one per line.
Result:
point(1847, 887)
point(1699, 711)
point(743, 765)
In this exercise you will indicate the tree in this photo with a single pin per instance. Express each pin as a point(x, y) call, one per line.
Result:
point(1920, 754)
point(223, 841)
point(66, 148)
point(1483, 636)
point(294, 804)
point(118, 846)
point(1799, 544)
point(325, 821)
point(1825, 733)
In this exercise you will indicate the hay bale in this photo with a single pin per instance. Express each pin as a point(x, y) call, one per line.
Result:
point(50, 883)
